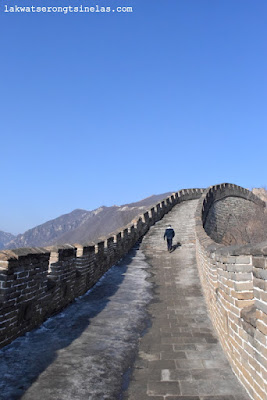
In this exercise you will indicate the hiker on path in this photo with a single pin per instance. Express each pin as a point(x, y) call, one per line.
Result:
point(169, 235)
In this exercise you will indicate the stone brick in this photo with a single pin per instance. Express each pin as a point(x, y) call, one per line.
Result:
point(258, 262)
point(260, 391)
point(243, 260)
point(243, 303)
point(262, 327)
point(241, 276)
point(260, 284)
point(163, 388)
point(260, 273)
point(242, 295)
point(244, 268)
point(261, 305)
point(240, 286)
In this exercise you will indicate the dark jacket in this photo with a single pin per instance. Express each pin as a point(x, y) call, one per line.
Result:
point(169, 233)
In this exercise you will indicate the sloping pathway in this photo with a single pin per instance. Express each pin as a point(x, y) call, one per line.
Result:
point(83, 352)
point(179, 357)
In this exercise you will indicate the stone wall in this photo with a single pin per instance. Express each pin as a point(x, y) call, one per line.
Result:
point(36, 283)
point(230, 216)
point(234, 280)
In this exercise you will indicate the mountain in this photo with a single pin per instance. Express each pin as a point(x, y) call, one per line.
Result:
point(82, 226)
point(48, 232)
point(5, 238)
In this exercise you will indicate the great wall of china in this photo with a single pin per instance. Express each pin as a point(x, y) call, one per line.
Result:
point(36, 283)
point(234, 280)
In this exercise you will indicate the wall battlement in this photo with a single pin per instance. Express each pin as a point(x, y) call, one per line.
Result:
point(234, 280)
point(36, 283)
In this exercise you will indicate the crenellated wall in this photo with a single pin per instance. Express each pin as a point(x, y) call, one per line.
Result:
point(234, 280)
point(36, 283)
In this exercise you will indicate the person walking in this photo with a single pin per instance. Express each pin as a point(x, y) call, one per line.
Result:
point(169, 235)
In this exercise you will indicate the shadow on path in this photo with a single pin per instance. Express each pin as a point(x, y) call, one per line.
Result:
point(71, 339)
point(175, 246)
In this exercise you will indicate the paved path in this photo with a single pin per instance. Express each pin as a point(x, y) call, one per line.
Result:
point(84, 352)
point(179, 357)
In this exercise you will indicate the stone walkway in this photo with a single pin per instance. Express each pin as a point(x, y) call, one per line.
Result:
point(85, 352)
point(179, 356)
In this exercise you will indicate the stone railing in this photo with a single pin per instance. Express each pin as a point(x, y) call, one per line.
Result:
point(36, 283)
point(234, 280)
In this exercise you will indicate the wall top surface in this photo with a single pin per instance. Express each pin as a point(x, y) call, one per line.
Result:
point(166, 204)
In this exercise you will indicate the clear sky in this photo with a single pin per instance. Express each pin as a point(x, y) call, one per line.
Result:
point(108, 108)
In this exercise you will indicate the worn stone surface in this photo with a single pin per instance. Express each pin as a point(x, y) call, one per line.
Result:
point(179, 356)
point(227, 215)
point(36, 283)
point(83, 352)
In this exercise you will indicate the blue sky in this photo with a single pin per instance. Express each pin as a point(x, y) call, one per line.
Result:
point(108, 108)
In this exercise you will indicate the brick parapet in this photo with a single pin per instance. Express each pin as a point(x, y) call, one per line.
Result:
point(234, 280)
point(36, 283)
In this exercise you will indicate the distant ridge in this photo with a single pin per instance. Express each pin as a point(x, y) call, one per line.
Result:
point(5, 238)
point(81, 226)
